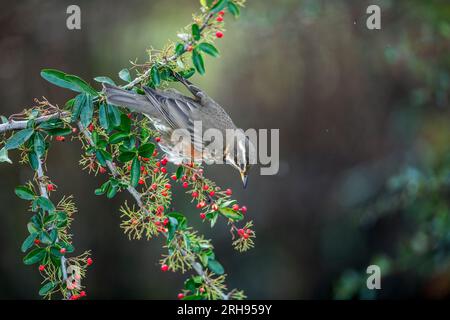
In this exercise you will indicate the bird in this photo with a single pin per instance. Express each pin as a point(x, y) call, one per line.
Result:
point(169, 110)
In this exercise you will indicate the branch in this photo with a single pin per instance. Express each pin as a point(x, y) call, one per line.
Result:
point(138, 197)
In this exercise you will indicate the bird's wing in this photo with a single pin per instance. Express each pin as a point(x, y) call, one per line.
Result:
point(175, 108)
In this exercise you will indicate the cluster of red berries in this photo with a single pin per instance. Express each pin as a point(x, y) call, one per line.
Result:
point(244, 233)
point(219, 34)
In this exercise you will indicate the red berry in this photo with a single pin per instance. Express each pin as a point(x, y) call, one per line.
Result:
point(156, 170)
point(51, 187)
point(166, 221)
point(185, 184)
point(62, 250)
point(215, 207)
point(167, 186)
point(194, 194)
point(163, 170)
point(158, 164)
point(141, 181)
point(91, 127)
point(189, 48)
point(202, 215)
point(155, 153)
point(41, 268)
point(164, 161)
point(184, 178)
point(157, 139)
point(83, 294)
point(74, 130)
point(74, 297)
point(37, 242)
point(60, 138)
point(145, 159)
point(221, 13)
point(102, 170)
point(219, 19)
point(202, 290)
point(160, 209)
point(164, 193)
point(180, 296)
point(245, 235)
point(205, 187)
point(235, 207)
point(164, 267)
point(89, 261)
point(174, 177)
point(212, 193)
point(244, 209)
point(228, 192)
point(219, 34)
point(129, 115)
point(154, 186)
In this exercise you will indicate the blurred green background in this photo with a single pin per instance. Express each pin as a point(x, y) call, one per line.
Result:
point(364, 153)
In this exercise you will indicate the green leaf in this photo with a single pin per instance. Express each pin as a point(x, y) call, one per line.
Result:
point(105, 80)
point(179, 49)
point(80, 83)
point(125, 123)
point(103, 116)
point(29, 241)
point(209, 49)
point(187, 73)
point(135, 172)
point(51, 124)
point(146, 150)
point(46, 288)
point(181, 219)
point(33, 160)
point(58, 78)
point(196, 32)
point(24, 193)
point(87, 111)
point(112, 191)
point(215, 266)
point(118, 137)
point(234, 9)
point(197, 60)
point(124, 74)
point(59, 132)
point(231, 214)
point(126, 156)
point(39, 144)
point(45, 204)
point(220, 4)
point(154, 73)
point(179, 172)
point(34, 256)
point(19, 138)
point(4, 156)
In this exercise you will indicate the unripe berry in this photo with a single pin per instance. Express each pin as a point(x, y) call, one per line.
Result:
point(164, 267)
point(41, 268)
point(219, 34)
point(202, 215)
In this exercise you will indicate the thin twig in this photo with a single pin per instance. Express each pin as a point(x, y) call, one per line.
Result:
point(17, 125)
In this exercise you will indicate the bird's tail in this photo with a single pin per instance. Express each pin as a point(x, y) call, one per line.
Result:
point(125, 98)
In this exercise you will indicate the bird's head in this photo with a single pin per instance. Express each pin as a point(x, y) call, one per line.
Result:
point(240, 158)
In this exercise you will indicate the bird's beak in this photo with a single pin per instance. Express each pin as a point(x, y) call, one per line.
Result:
point(244, 178)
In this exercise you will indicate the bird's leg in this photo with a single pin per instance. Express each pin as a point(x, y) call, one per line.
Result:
point(196, 91)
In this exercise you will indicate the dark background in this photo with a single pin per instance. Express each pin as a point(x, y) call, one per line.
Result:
point(364, 152)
